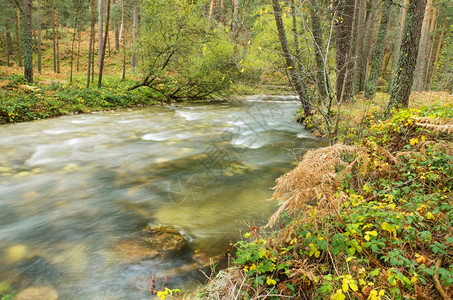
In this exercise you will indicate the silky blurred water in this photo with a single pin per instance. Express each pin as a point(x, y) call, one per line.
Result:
point(72, 188)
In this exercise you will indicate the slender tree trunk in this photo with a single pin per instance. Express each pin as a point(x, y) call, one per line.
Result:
point(376, 64)
point(100, 22)
point(90, 48)
point(298, 57)
point(396, 49)
point(78, 47)
point(39, 35)
point(234, 20)
point(369, 32)
point(343, 28)
point(135, 17)
point(123, 78)
point(422, 51)
point(358, 52)
point(54, 38)
point(403, 79)
point(439, 48)
point(57, 25)
point(298, 84)
point(211, 9)
point(8, 45)
point(321, 75)
point(28, 47)
point(19, 43)
point(222, 12)
point(76, 21)
point(101, 68)
point(430, 50)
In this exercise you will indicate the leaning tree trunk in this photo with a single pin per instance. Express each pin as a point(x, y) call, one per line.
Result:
point(298, 84)
point(39, 35)
point(402, 81)
point(28, 47)
point(376, 64)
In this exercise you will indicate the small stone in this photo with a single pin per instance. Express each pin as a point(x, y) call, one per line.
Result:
point(15, 253)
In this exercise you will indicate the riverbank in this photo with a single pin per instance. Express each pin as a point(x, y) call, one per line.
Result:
point(367, 219)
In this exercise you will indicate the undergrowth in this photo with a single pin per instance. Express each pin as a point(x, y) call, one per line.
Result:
point(20, 103)
point(368, 220)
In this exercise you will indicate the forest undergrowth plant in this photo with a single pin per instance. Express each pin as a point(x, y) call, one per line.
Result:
point(370, 220)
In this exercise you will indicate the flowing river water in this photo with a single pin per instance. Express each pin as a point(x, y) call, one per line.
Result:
point(74, 188)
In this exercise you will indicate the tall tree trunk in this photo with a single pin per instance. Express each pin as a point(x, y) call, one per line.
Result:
point(234, 20)
point(76, 21)
point(100, 22)
point(298, 57)
point(57, 25)
point(321, 75)
point(211, 9)
point(123, 77)
point(222, 12)
point(101, 68)
point(298, 84)
point(135, 17)
point(358, 55)
point(78, 47)
point(39, 35)
point(369, 32)
point(422, 50)
point(343, 29)
point(54, 38)
point(18, 35)
point(90, 48)
point(8, 45)
point(28, 47)
point(117, 33)
point(376, 64)
point(430, 50)
point(439, 48)
point(402, 81)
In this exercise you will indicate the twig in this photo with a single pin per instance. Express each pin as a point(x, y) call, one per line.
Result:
point(437, 284)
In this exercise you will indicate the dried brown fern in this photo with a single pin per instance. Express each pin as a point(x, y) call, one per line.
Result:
point(315, 179)
point(446, 128)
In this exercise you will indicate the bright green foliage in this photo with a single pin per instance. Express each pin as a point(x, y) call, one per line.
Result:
point(185, 56)
point(394, 223)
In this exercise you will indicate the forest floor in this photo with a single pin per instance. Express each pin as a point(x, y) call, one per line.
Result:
point(369, 218)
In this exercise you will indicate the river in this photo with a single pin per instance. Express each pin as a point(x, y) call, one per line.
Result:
point(74, 188)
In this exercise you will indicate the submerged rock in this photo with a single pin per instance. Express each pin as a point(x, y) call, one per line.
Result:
point(37, 293)
point(153, 241)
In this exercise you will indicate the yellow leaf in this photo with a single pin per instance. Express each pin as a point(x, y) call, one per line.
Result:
point(338, 296)
point(430, 216)
point(247, 235)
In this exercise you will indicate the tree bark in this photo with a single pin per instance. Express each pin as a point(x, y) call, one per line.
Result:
point(76, 21)
point(101, 67)
point(8, 45)
point(422, 51)
point(100, 22)
point(54, 39)
point(135, 18)
point(363, 60)
point(439, 48)
point(234, 19)
point(28, 47)
point(376, 64)
point(90, 50)
point(39, 35)
point(343, 29)
point(211, 9)
point(298, 84)
point(321, 75)
point(57, 25)
point(358, 55)
point(430, 50)
point(222, 12)
point(396, 49)
point(123, 77)
point(19, 43)
point(402, 81)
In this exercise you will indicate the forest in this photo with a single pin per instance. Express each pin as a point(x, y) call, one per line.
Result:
point(368, 215)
